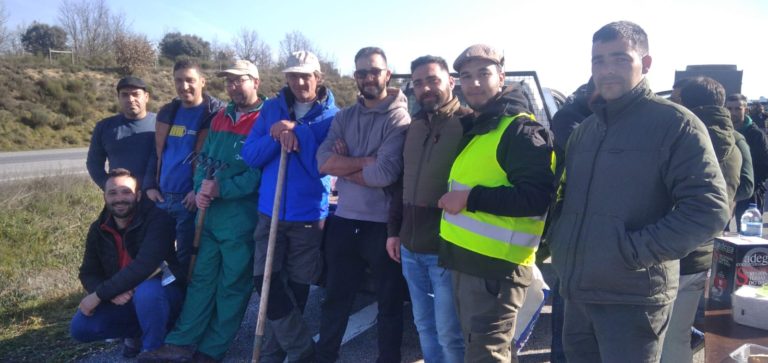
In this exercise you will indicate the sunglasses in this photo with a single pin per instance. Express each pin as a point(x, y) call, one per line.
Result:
point(364, 73)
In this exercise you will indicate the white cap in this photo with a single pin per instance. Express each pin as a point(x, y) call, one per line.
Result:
point(302, 62)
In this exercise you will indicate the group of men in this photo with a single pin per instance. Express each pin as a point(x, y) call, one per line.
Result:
point(453, 199)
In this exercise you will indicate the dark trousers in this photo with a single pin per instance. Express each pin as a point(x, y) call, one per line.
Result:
point(487, 311)
point(614, 332)
point(350, 246)
point(557, 353)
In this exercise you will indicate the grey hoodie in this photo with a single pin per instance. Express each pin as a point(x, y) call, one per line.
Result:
point(378, 132)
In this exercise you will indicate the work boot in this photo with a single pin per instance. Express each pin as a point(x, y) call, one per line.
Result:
point(167, 353)
point(271, 352)
point(293, 335)
point(201, 357)
point(131, 347)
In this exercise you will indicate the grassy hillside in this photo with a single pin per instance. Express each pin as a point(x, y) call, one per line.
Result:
point(51, 106)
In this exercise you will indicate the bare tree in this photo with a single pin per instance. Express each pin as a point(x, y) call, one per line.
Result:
point(248, 45)
point(5, 34)
point(14, 45)
point(293, 42)
point(221, 53)
point(91, 26)
point(134, 53)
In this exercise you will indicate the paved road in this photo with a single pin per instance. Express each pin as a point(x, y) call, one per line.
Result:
point(19, 165)
point(361, 348)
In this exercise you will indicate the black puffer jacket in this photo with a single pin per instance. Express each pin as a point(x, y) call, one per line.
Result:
point(149, 240)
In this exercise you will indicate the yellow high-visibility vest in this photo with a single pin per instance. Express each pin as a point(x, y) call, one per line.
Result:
point(513, 239)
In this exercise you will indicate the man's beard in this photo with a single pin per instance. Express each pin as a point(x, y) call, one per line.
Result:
point(432, 105)
point(371, 95)
point(128, 211)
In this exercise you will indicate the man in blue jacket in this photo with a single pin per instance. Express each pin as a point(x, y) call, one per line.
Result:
point(297, 120)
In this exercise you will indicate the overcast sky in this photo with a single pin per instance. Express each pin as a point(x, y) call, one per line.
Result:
point(552, 38)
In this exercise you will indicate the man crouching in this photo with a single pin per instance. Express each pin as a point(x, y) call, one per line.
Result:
point(128, 269)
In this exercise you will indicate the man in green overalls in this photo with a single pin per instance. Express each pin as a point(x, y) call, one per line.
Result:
point(221, 283)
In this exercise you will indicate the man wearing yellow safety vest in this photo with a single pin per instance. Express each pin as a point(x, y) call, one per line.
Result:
point(499, 188)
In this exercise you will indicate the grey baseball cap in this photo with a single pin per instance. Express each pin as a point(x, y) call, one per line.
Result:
point(478, 51)
point(240, 68)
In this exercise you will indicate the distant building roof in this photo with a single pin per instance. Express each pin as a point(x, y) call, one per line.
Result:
point(727, 74)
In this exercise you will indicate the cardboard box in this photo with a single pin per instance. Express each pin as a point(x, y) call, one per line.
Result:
point(736, 261)
point(750, 308)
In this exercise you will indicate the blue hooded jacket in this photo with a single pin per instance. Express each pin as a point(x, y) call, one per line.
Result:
point(305, 192)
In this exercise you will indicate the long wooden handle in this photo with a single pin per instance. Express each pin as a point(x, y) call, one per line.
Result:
point(196, 242)
point(209, 171)
point(264, 298)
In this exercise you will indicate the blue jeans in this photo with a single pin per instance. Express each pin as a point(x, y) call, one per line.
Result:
point(434, 312)
point(185, 228)
point(149, 314)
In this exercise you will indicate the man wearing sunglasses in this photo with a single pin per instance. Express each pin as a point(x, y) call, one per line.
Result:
point(364, 150)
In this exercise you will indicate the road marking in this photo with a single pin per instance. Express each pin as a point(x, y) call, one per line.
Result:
point(358, 323)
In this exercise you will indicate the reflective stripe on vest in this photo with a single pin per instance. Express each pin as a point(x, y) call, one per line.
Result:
point(513, 239)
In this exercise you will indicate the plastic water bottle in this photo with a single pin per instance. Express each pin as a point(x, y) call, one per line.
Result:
point(752, 222)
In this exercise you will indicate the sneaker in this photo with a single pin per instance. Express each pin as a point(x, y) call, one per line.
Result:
point(131, 347)
point(697, 340)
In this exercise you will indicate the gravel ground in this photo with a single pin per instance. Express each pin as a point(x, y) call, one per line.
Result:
point(363, 347)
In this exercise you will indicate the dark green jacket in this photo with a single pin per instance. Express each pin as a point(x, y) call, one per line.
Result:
point(721, 133)
point(642, 189)
point(747, 175)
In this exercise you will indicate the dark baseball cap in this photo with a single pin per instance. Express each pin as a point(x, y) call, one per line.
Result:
point(130, 81)
point(478, 51)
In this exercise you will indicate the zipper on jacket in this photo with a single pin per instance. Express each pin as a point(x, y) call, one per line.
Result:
point(128, 229)
point(575, 246)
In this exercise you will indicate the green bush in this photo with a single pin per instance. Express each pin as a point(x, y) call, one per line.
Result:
point(27, 92)
point(72, 107)
point(41, 117)
point(74, 85)
point(7, 102)
point(51, 88)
